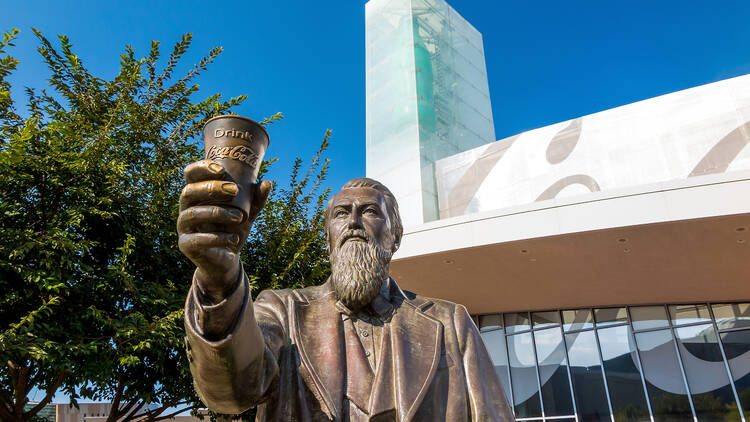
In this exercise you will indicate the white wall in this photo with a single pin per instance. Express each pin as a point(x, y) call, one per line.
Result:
point(689, 133)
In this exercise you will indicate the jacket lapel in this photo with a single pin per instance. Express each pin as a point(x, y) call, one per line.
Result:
point(409, 357)
point(319, 335)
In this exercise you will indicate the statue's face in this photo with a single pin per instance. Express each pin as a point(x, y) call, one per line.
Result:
point(355, 210)
point(360, 244)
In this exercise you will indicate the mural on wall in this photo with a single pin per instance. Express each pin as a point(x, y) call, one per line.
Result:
point(718, 159)
point(559, 149)
point(695, 132)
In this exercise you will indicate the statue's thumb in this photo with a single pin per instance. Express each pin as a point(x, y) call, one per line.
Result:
point(262, 191)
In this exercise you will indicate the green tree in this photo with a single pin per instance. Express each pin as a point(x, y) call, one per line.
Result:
point(286, 248)
point(92, 284)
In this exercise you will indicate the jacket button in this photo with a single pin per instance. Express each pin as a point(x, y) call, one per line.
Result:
point(365, 333)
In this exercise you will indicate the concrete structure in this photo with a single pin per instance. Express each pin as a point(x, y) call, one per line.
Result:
point(606, 258)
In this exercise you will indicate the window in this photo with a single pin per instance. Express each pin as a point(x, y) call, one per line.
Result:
point(631, 364)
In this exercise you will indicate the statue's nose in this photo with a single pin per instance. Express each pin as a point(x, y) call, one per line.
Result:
point(354, 222)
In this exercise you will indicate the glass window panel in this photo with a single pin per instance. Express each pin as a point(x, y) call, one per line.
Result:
point(645, 317)
point(495, 342)
point(732, 315)
point(490, 322)
point(664, 382)
point(623, 376)
point(689, 314)
point(737, 349)
point(517, 321)
point(545, 319)
point(609, 316)
point(523, 376)
point(707, 377)
point(553, 372)
point(586, 372)
point(577, 319)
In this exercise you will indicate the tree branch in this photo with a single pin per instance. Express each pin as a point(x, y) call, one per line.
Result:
point(128, 406)
point(50, 393)
point(6, 411)
point(169, 416)
point(134, 411)
point(114, 411)
point(151, 413)
point(6, 401)
point(34, 380)
point(13, 370)
point(19, 388)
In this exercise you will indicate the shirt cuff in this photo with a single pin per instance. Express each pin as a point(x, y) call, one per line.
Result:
point(214, 321)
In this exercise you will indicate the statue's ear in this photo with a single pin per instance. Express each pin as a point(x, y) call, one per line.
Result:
point(328, 238)
point(395, 234)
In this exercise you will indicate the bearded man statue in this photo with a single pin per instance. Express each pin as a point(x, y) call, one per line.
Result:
point(357, 348)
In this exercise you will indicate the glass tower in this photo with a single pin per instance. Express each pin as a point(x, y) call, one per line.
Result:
point(427, 97)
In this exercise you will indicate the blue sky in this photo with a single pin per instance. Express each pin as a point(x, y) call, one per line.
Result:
point(547, 61)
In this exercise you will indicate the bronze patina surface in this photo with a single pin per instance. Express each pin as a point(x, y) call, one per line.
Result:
point(357, 348)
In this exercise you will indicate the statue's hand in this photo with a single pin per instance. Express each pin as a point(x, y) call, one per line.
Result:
point(211, 232)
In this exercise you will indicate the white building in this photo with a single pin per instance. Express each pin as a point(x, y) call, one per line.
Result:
point(606, 257)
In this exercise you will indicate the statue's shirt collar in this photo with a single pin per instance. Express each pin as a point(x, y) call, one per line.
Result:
point(380, 307)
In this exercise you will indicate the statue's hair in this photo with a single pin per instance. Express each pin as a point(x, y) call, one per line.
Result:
point(397, 228)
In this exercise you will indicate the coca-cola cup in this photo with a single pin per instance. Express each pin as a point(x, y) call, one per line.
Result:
point(238, 144)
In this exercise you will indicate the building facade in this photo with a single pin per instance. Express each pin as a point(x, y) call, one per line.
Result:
point(90, 412)
point(605, 258)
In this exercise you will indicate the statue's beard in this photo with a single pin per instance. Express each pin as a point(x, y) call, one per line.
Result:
point(358, 269)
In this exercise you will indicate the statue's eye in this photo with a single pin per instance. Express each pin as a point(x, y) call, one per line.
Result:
point(371, 211)
point(340, 213)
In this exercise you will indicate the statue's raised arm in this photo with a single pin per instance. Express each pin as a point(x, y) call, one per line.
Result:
point(217, 208)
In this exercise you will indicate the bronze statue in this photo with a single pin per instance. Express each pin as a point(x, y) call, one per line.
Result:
point(354, 349)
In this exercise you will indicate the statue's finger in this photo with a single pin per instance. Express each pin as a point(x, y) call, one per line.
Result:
point(207, 192)
point(197, 245)
point(216, 261)
point(192, 218)
point(204, 170)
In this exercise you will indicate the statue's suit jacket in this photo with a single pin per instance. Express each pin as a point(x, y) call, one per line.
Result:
point(285, 353)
